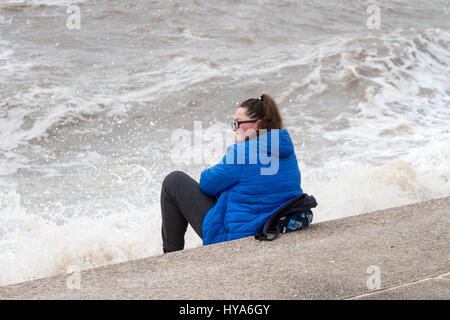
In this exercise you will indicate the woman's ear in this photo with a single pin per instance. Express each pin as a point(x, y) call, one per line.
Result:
point(258, 124)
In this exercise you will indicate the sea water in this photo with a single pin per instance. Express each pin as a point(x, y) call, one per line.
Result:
point(87, 113)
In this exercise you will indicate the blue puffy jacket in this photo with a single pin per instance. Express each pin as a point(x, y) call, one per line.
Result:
point(253, 180)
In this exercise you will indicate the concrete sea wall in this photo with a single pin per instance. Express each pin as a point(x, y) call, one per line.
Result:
point(397, 253)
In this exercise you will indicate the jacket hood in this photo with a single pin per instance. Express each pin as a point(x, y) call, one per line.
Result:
point(274, 142)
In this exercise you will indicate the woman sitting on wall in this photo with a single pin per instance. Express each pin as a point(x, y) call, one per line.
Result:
point(257, 175)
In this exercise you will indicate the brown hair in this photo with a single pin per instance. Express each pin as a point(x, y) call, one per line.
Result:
point(266, 109)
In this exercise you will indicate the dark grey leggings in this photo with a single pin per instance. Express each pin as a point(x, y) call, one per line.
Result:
point(182, 202)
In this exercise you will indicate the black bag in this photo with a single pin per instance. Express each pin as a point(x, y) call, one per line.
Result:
point(294, 215)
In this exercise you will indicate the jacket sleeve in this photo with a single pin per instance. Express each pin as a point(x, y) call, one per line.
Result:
point(222, 176)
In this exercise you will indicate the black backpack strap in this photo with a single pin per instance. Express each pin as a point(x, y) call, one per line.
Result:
point(265, 237)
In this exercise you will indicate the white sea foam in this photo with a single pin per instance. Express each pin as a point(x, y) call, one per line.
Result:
point(6, 3)
point(86, 117)
point(345, 189)
point(33, 247)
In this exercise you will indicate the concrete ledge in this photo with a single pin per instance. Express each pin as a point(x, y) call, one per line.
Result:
point(329, 260)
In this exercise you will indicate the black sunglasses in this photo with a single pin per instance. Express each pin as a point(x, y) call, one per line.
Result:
point(236, 124)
